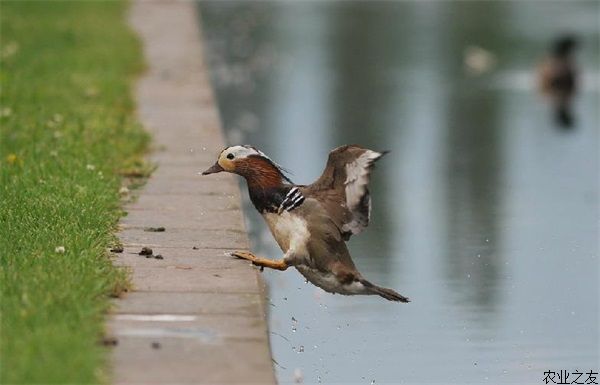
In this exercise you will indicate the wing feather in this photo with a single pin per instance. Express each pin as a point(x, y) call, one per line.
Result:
point(343, 187)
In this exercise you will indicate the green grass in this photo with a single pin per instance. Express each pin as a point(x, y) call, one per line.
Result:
point(67, 131)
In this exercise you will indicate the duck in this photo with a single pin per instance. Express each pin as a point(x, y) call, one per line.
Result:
point(557, 78)
point(311, 223)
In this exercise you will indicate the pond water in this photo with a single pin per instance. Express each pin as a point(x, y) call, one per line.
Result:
point(485, 213)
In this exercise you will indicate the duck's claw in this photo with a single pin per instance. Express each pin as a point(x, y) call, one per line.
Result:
point(244, 255)
point(249, 257)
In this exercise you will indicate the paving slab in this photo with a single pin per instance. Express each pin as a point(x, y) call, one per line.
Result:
point(181, 237)
point(203, 327)
point(228, 304)
point(200, 361)
point(196, 315)
point(206, 280)
point(179, 257)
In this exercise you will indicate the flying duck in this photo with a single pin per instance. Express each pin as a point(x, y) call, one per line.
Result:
point(312, 223)
point(557, 78)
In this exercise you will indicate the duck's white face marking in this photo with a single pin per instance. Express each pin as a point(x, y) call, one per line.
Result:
point(230, 155)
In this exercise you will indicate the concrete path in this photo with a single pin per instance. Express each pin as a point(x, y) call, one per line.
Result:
point(196, 316)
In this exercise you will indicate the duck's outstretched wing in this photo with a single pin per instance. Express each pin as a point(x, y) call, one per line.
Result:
point(343, 188)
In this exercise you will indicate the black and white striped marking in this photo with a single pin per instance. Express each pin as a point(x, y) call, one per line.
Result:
point(293, 199)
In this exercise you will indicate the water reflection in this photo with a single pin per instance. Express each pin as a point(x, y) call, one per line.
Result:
point(483, 213)
point(473, 177)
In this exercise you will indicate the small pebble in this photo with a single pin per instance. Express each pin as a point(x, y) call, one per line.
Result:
point(195, 248)
point(155, 345)
point(154, 229)
point(145, 251)
point(117, 249)
point(158, 256)
point(110, 341)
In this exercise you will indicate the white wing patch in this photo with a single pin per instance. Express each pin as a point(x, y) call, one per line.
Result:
point(293, 199)
point(358, 200)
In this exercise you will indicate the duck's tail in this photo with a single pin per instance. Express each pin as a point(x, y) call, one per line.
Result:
point(386, 293)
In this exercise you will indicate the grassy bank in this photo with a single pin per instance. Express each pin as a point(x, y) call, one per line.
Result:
point(67, 131)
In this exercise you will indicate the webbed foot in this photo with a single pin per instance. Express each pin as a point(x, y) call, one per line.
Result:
point(261, 262)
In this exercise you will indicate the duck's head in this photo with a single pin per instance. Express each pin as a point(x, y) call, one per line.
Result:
point(251, 163)
point(564, 45)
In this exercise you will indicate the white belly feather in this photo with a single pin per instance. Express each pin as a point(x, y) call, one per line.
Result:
point(290, 231)
point(328, 282)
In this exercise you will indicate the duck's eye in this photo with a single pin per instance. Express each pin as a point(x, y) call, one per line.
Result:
point(230, 156)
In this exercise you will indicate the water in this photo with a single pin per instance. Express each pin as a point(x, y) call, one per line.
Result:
point(485, 213)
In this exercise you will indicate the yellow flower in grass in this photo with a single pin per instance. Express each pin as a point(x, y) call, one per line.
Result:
point(12, 159)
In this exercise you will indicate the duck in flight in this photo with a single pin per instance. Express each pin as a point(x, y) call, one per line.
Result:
point(312, 223)
point(557, 78)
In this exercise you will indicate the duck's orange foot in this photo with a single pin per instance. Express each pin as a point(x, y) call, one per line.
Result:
point(261, 262)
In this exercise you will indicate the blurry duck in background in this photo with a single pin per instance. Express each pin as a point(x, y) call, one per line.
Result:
point(478, 61)
point(558, 78)
point(312, 223)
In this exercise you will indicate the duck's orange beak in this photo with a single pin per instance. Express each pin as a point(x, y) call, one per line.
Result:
point(215, 168)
